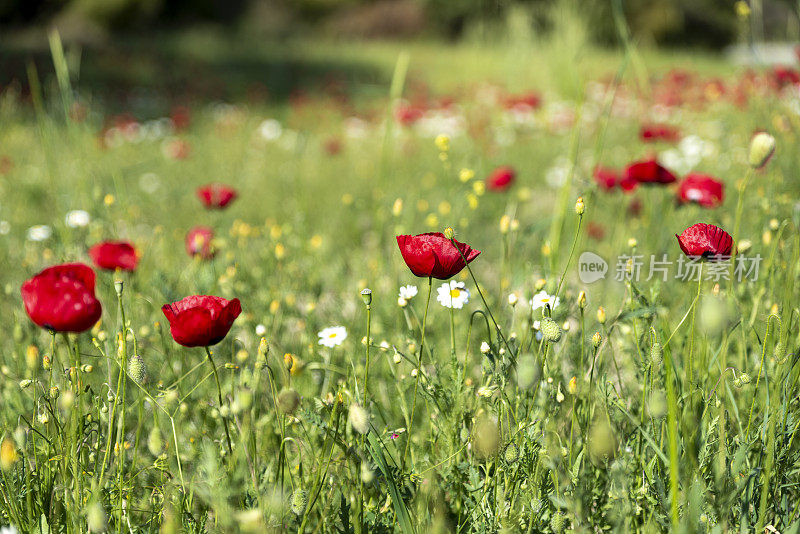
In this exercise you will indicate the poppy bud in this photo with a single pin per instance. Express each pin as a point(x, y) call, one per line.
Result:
point(745, 378)
point(511, 454)
point(288, 401)
point(656, 354)
point(558, 522)
point(596, 339)
point(366, 296)
point(32, 357)
point(572, 387)
point(299, 501)
point(551, 330)
point(582, 300)
point(67, 400)
point(136, 369)
point(154, 442)
point(601, 315)
point(359, 418)
point(8, 454)
point(780, 352)
point(762, 147)
point(580, 207)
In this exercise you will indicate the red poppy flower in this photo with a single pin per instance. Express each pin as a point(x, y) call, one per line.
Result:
point(201, 320)
point(433, 255)
point(648, 172)
point(705, 240)
point(702, 189)
point(501, 179)
point(407, 114)
point(112, 255)
point(609, 179)
point(62, 299)
point(523, 102)
point(216, 196)
point(659, 132)
point(199, 242)
point(177, 149)
point(181, 118)
point(783, 76)
point(606, 178)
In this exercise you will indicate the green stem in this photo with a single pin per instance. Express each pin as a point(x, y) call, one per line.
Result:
point(419, 368)
point(219, 394)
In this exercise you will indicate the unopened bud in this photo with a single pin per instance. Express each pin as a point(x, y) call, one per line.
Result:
point(136, 369)
point(550, 330)
point(762, 147)
point(601, 315)
point(596, 339)
point(449, 233)
point(580, 207)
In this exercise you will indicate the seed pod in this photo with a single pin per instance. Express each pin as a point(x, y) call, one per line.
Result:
point(551, 330)
point(366, 296)
point(656, 354)
point(288, 401)
point(136, 369)
point(299, 501)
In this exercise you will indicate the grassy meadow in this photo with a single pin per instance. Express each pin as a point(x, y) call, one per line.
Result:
point(544, 403)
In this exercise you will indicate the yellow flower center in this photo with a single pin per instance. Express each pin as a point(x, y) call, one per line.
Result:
point(331, 336)
point(454, 293)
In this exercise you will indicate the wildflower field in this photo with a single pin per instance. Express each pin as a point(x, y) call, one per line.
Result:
point(444, 298)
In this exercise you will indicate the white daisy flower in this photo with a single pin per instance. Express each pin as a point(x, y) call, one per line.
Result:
point(261, 330)
point(40, 232)
point(453, 295)
point(541, 299)
point(408, 292)
point(270, 129)
point(77, 219)
point(332, 336)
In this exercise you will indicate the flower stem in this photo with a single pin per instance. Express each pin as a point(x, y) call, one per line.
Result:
point(419, 366)
point(219, 393)
point(690, 362)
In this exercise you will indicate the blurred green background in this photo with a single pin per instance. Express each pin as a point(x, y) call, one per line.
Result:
point(710, 23)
